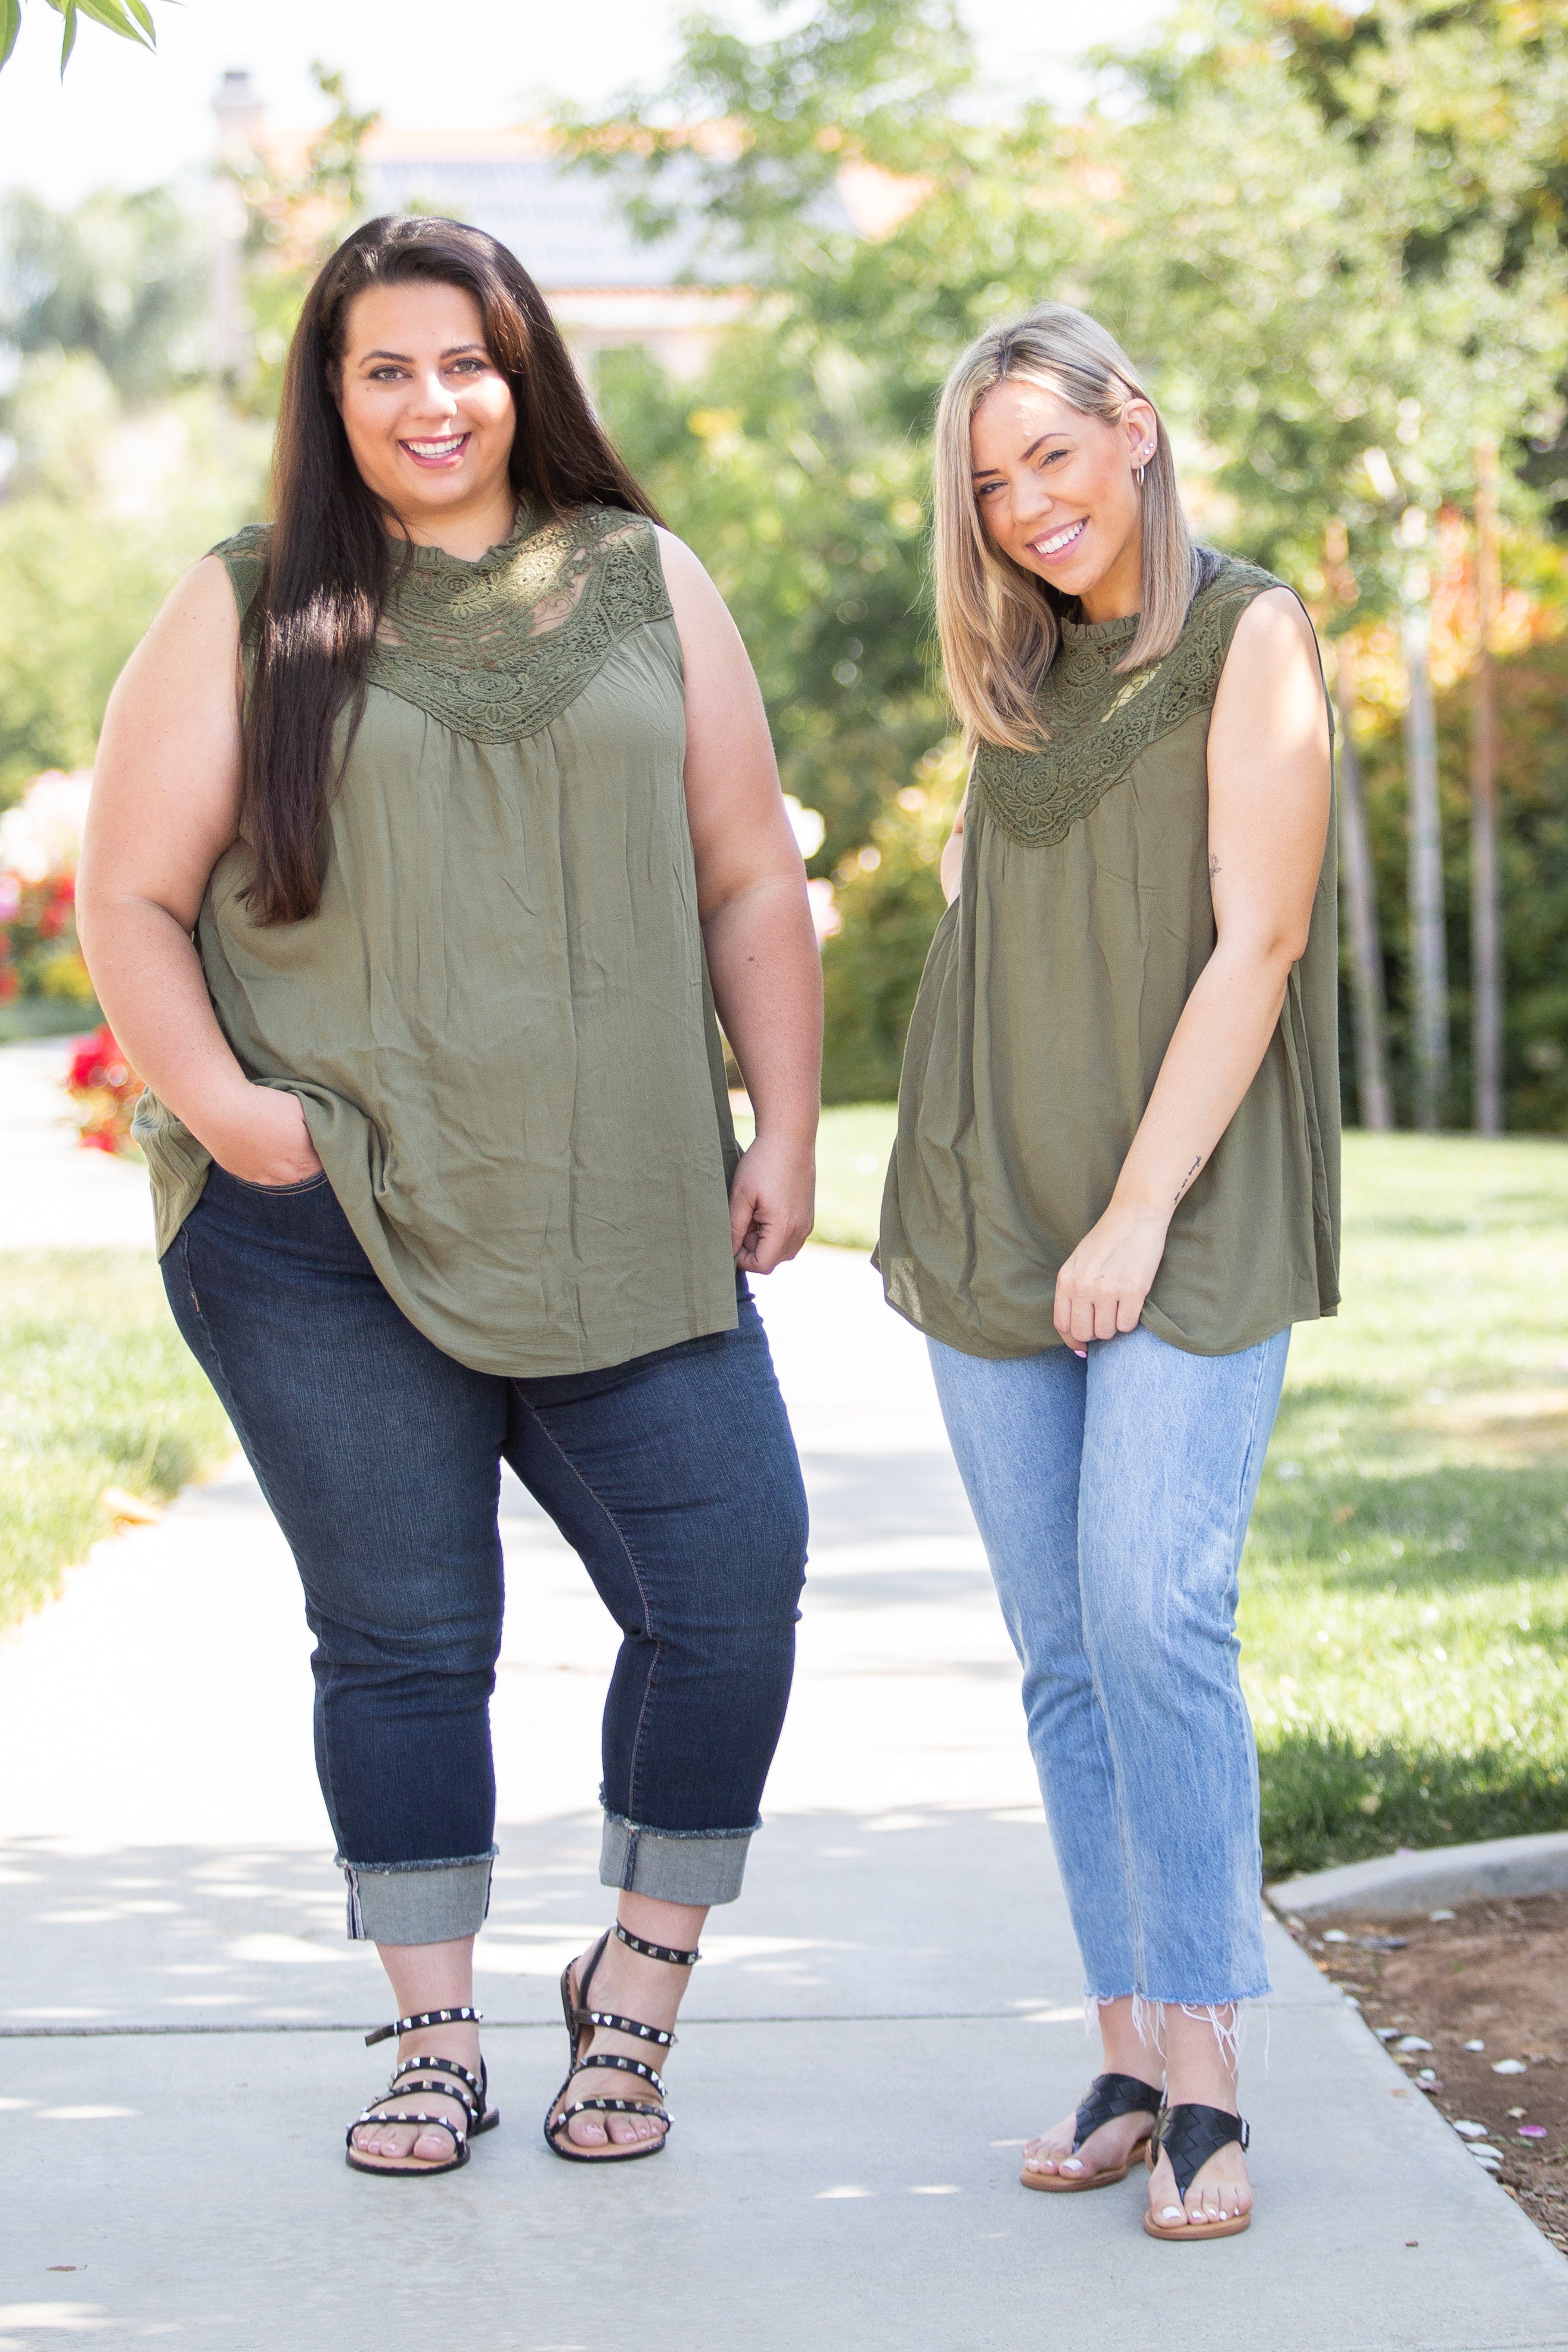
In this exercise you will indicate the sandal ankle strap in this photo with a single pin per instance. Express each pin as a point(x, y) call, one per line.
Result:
point(421, 2020)
point(657, 1951)
point(608, 2018)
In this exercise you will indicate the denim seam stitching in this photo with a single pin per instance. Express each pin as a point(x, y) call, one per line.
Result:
point(621, 1536)
point(645, 1829)
point(184, 1242)
point(1238, 1538)
point(276, 1191)
point(1128, 1872)
point(441, 1861)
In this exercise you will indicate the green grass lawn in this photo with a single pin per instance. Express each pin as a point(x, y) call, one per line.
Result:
point(46, 1016)
point(99, 1390)
point(1405, 1597)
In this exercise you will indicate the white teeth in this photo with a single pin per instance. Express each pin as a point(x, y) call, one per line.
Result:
point(1059, 539)
point(436, 448)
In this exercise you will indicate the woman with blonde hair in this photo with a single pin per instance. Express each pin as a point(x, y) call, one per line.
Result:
point(1115, 1182)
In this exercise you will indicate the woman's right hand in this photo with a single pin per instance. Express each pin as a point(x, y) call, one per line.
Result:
point(264, 1141)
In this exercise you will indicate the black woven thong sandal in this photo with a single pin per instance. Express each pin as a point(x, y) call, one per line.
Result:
point(441, 2075)
point(1108, 2096)
point(580, 2020)
point(1190, 2136)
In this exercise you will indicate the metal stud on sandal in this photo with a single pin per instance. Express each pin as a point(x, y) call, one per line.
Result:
point(1108, 2096)
point(443, 2075)
point(1189, 2134)
point(580, 2020)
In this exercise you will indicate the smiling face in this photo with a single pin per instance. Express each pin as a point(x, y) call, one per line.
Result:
point(429, 416)
point(1056, 490)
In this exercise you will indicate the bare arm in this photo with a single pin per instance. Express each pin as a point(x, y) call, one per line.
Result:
point(756, 918)
point(1269, 797)
point(165, 802)
point(952, 865)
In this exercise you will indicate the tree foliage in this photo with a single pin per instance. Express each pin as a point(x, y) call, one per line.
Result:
point(1333, 239)
point(296, 215)
point(121, 277)
point(129, 19)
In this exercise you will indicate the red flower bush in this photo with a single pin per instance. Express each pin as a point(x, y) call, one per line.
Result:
point(104, 1088)
point(40, 840)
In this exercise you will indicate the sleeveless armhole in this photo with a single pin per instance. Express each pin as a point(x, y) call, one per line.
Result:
point(244, 558)
point(1242, 601)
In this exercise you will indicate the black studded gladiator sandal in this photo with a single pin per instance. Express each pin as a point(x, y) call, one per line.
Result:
point(441, 2075)
point(1190, 2136)
point(582, 2024)
point(1108, 2096)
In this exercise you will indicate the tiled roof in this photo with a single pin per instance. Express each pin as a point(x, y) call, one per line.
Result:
point(565, 225)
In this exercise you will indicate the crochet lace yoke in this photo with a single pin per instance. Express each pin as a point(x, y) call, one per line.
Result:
point(1099, 722)
point(497, 650)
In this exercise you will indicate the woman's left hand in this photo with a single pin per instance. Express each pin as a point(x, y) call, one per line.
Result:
point(1101, 1288)
point(772, 1203)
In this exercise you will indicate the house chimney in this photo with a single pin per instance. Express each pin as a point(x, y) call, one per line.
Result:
point(239, 116)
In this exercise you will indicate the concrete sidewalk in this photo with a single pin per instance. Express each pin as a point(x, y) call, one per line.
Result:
point(890, 2010)
point(53, 1195)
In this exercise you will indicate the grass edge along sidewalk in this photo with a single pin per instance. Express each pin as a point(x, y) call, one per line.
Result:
point(100, 1393)
point(1405, 1597)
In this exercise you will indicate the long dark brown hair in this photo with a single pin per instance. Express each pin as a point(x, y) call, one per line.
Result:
point(332, 558)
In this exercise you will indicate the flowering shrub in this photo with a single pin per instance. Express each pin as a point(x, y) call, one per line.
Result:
point(104, 1088)
point(40, 841)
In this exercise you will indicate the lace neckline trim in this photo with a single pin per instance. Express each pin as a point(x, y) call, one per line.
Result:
point(1102, 720)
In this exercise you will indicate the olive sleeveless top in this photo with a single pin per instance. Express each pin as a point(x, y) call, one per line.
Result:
point(1053, 986)
point(499, 1024)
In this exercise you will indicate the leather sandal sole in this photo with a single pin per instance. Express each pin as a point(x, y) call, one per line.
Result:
point(1174, 2232)
point(617, 2152)
point(1073, 2186)
point(358, 2161)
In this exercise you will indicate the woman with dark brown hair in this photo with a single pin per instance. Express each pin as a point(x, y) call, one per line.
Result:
point(431, 825)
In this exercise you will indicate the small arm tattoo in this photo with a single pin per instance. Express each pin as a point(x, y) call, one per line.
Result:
point(1187, 1180)
point(1213, 866)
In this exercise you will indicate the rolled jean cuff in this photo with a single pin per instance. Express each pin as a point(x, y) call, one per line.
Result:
point(418, 1902)
point(694, 1866)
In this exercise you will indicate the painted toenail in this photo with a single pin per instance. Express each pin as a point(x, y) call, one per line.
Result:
point(1073, 2165)
point(1173, 2213)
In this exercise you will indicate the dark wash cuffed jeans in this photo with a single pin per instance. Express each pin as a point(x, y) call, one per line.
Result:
point(674, 1476)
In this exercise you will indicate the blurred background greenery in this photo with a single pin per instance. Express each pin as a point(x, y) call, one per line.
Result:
point(1333, 238)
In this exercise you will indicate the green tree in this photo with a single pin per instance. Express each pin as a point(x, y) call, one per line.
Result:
point(1340, 263)
point(122, 277)
point(106, 505)
point(799, 468)
point(294, 220)
point(129, 18)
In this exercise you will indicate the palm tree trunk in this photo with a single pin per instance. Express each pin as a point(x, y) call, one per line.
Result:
point(1486, 908)
point(1368, 1010)
point(1428, 947)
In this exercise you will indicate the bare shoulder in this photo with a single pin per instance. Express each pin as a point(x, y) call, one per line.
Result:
point(692, 592)
point(1274, 632)
point(198, 614)
point(186, 673)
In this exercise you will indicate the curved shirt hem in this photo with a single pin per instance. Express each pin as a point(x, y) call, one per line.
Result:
point(178, 1166)
point(965, 1342)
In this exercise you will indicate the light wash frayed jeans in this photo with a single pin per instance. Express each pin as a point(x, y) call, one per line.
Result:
point(1113, 1495)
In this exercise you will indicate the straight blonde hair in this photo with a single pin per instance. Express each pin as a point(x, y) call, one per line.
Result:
point(998, 625)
